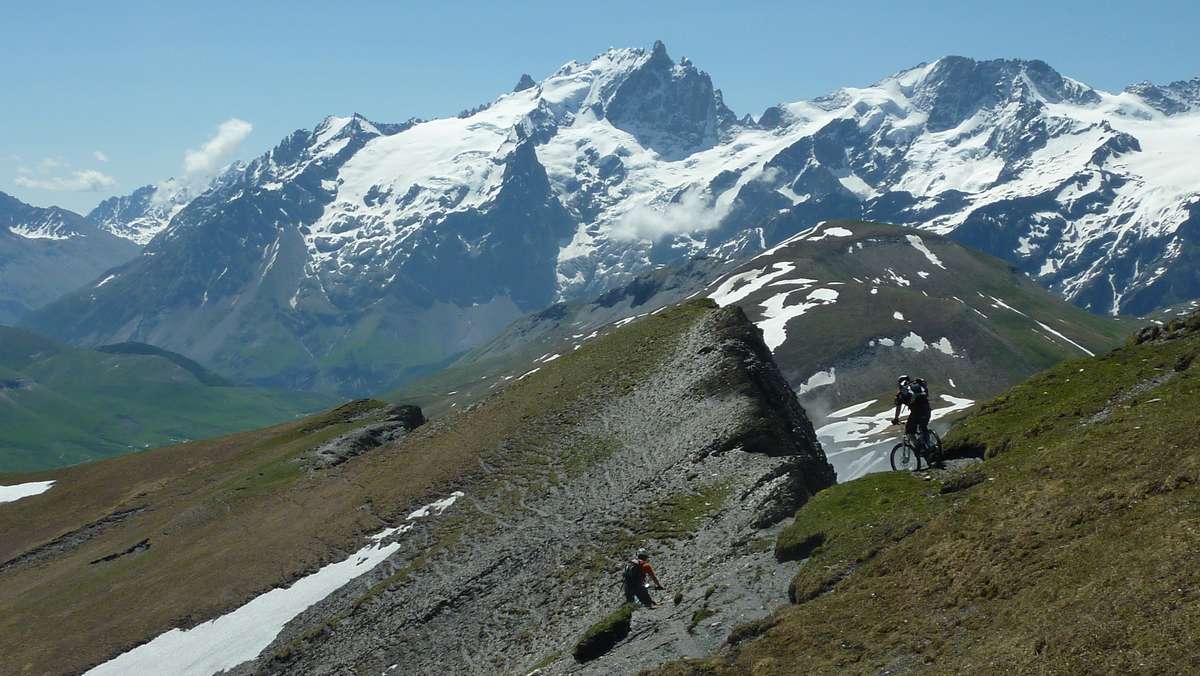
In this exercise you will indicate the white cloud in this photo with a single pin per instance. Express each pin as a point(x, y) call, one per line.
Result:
point(211, 157)
point(690, 214)
point(86, 180)
point(100, 156)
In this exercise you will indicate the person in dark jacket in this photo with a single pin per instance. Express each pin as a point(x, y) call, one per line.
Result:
point(914, 394)
point(636, 571)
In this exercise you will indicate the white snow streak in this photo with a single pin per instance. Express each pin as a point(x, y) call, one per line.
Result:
point(919, 245)
point(1084, 349)
point(25, 490)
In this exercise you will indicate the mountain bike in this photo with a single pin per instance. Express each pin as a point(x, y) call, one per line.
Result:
point(905, 456)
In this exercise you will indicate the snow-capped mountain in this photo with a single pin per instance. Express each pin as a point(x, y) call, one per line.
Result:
point(46, 252)
point(416, 241)
point(142, 214)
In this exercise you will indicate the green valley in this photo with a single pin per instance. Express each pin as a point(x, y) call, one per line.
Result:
point(61, 405)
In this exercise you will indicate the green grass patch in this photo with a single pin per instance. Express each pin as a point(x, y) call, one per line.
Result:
point(699, 616)
point(603, 635)
point(847, 524)
point(677, 516)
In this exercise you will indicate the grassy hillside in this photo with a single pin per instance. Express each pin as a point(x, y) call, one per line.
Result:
point(227, 519)
point(1069, 550)
point(61, 405)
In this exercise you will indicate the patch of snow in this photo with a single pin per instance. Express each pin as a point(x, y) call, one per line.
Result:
point(919, 245)
point(436, 507)
point(914, 342)
point(849, 410)
point(818, 379)
point(998, 304)
point(956, 404)
point(25, 490)
point(898, 315)
point(776, 314)
point(794, 282)
point(943, 345)
point(739, 286)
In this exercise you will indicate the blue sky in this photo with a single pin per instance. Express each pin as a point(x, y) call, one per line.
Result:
point(99, 98)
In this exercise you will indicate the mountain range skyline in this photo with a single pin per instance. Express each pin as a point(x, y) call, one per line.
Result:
point(226, 148)
point(139, 130)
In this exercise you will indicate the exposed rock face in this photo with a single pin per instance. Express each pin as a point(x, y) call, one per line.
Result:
point(670, 107)
point(709, 447)
point(399, 420)
point(524, 83)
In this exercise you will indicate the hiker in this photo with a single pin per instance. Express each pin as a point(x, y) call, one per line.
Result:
point(914, 394)
point(636, 571)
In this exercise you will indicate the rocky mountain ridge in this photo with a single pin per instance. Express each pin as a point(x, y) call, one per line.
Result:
point(48, 252)
point(609, 168)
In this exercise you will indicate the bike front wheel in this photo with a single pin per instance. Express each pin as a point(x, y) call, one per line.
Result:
point(904, 458)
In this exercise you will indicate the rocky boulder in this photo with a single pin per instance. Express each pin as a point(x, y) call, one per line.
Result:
point(398, 421)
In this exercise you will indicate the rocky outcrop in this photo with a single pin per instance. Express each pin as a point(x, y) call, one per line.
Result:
point(398, 421)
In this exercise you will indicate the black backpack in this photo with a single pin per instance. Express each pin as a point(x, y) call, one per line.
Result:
point(633, 573)
point(919, 391)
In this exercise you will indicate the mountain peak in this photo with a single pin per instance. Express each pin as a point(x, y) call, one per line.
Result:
point(525, 82)
point(672, 108)
point(954, 88)
point(1180, 96)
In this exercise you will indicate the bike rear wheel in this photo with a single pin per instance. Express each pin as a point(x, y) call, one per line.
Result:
point(904, 458)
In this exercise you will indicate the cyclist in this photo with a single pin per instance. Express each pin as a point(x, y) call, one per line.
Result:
point(914, 393)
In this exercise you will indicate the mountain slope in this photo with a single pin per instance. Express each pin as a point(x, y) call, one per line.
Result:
point(142, 214)
point(62, 405)
point(675, 432)
point(46, 252)
point(845, 307)
point(1067, 551)
point(331, 248)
